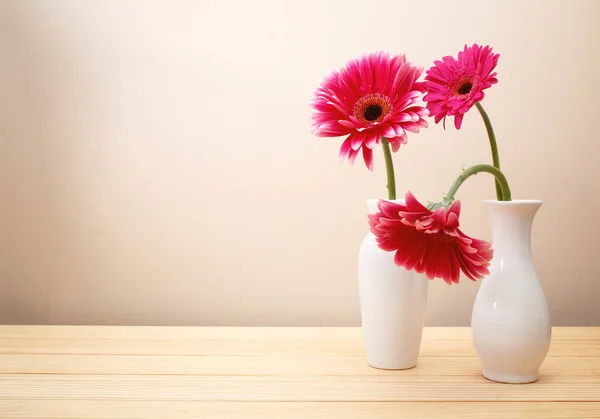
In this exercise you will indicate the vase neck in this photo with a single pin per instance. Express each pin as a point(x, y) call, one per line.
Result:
point(511, 225)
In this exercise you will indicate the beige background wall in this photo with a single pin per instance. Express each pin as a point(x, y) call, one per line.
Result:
point(157, 166)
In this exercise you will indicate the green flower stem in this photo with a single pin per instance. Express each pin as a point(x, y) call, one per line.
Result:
point(389, 168)
point(493, 145)
point(473, 170)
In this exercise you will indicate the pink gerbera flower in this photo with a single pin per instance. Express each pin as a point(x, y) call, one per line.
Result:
point(453, 86)
point(372, 97)
point(429, 242)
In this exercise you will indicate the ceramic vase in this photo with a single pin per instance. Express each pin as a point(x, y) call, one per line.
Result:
point(510, 323)
point(392, 302)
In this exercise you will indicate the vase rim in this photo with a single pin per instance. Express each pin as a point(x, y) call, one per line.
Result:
point(397, 201)
point(514, 202)
point(372, 203)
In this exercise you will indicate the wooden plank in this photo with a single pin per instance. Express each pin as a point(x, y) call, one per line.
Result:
point(213, 333)
point(252, 333)
point(251, 347)
point(575, 333)
point(300, 389)
point(171, 373)
point(264, 365)
point(90, 409)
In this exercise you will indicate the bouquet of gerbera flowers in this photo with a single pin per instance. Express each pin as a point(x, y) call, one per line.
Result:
point(380, 100)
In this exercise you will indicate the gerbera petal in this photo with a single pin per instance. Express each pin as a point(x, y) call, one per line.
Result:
point(400, 75)
point(352, 155)
point(411, 254)
point(383, 74)
point(389, 209)
point(411, 127)
point(467, 268)
point(333, 126)
point(454, 268)
point(364, 68)
point(413, 204)
point(348, 124)
point(458, 120)
point(444, 270)
point(345, 148)
point(398, 130)
point(439, 216)
point(443, 69)
point(431, 258)
point(388, 132)
point(455, 208)
point(478, 96)
point(452, 220)
point(396, 144)
point(371, 140)
point(368, 157)
point(357, 140)
point(439, 117)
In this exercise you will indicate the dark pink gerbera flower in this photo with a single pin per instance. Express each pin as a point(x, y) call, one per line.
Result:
point(374, 96)
point(453, 86)
point(430, 242)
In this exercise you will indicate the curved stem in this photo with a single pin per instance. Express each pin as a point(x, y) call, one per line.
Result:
point(493, 144)
point(389, 168)
point(473, 170)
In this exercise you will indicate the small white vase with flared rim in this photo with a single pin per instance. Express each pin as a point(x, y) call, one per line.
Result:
point(393, 302)
point(510, 323)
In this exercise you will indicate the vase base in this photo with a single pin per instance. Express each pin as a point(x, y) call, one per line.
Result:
point(386, 368)
point(511, 378)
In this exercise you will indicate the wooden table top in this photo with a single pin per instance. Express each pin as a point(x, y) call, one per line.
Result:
point(177, 372)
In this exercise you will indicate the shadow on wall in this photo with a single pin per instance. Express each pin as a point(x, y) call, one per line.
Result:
point(94, 231)
point(37, 142)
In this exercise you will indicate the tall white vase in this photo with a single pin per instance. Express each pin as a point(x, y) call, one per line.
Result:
point(392, 302)
point(510, 323)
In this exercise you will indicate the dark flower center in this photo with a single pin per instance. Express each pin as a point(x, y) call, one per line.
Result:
point(373, 112)
point(372, 108)
point(465, 88)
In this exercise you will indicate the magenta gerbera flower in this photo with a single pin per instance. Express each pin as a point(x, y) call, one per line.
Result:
point(430, 242)
point(374, 96)
point(453, 86)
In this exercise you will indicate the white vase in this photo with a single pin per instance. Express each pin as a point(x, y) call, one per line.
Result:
point(510, 323)
point(392, 302)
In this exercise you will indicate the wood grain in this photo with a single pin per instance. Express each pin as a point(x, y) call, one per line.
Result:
point(252, 333)
point(93, 409)
point(316, 389)
point(171, 373)
point(255, 347)
point(278, 365)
